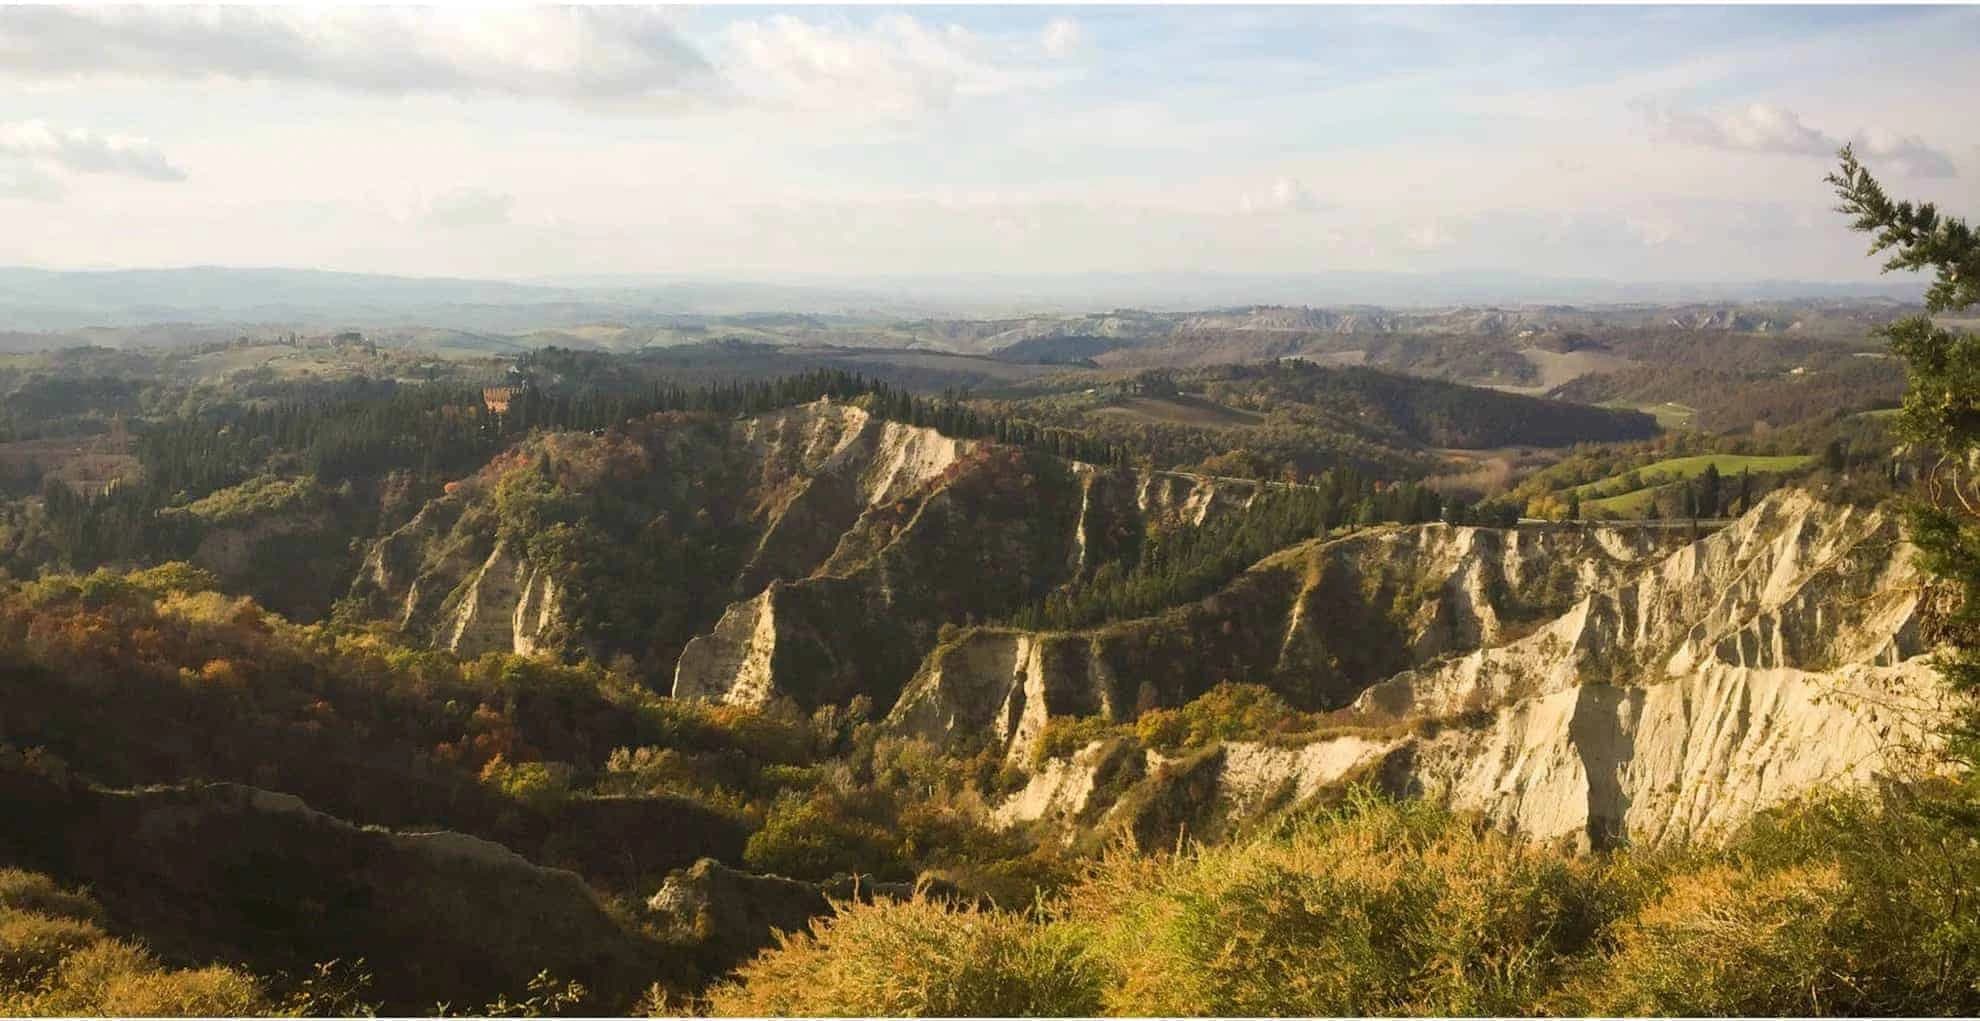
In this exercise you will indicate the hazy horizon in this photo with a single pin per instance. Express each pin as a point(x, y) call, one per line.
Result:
point(52, 301)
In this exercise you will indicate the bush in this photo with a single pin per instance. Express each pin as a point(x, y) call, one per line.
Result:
point(174, 576)
point(919, 958)
point(1377, 908)
point(33, 947)
point(1227, 712)
point(117, 979)
point(826, 834)
point(1851, 905)
point(537, 784)
point(55, 961)
point(1725, 941)
point(33, 892)
point(1064, 735)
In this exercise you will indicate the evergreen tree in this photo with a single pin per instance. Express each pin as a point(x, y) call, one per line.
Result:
point(1941, 411)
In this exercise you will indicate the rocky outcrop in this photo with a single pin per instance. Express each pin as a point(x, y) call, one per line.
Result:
point(726, 915)
point(1673, 697)
point(507, 604)
point(860, 538)
point(800, 480)
point(732, 662)
point(229, 549)
point(1794, 584)
point(994, 532)
point(1004, 685)
point(1686, 757)
point(1318, 623)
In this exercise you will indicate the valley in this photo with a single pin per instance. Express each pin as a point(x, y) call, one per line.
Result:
point(686, 646)
point(989, 511)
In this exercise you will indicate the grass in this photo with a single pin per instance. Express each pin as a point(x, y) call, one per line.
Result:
point(1633, 504)
point(1677, 469)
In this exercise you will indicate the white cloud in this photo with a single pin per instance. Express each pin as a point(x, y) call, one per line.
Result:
point(591, 56)
point(1757, 127)
point(1062, 37)
point(22, 180)
point(897, 65)
point(468, 207)
point(569, 53)
point(82, 151)
point(1905, 154)
point(1762, 127)
point(1286, 194)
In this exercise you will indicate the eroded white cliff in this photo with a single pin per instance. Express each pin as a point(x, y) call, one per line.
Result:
point(1678, 695)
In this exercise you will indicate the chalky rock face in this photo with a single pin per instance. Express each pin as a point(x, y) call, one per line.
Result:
point(1672, 697)
point(797, 480)
point(1586, 682)
point(1318, 623)
point(861, 538)
point(985, 538)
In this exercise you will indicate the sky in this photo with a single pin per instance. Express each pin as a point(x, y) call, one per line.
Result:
point(1622, 143)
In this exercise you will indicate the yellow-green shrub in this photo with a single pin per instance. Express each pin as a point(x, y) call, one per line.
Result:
point(919, 958)
point(1378, 908)
point(31, 891)
point(114, 978)
point(1064, 735)
point(1841, 905)
point(1725, 940)
point(1227, 712)
point(826, 833)
point(54, 960)
point(33, 947)
point(532, 783)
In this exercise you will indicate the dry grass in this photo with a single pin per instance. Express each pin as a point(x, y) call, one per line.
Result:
point(919, 958)
point(1724, 940)
point(1385, 908)
point(1377, 908)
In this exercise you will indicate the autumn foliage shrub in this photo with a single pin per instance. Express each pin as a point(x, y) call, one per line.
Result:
point(920, 958)
point(1841, 905)
point(1376, 908)
point(1837, 906)
point(55, 960)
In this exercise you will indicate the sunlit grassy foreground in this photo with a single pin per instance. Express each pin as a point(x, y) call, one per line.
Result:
point(1378, 907)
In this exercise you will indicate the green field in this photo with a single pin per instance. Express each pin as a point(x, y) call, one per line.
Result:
point(1669, 414)
point(1677, 469)
point(1633, 504)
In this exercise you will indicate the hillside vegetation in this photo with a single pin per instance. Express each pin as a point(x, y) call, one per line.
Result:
point(1125, 664)
point(1290, 418)
point(1383, 908)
